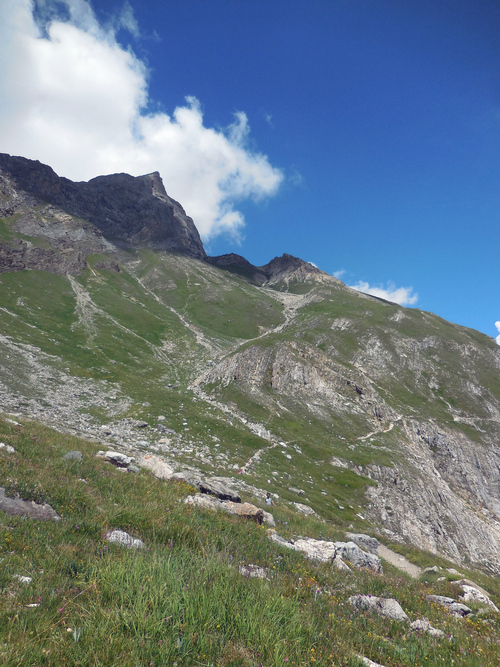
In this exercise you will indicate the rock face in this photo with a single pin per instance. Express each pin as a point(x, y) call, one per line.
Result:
point(126, 210)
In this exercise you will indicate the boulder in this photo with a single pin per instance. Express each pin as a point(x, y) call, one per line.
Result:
point(219, 490)
point(124, 539)
point(116, 458)
point(205, 501)
point(268, 519)
point(275, 537)
point(158, 467)
point(473, 594)
point(423, 625)
point(188, 477)
point(388, 607)
point(245, 510)
point(358, 558)
point(456, 608)
point(366, 542)
point(305, 509)
point(18, 507)
point(320, 550)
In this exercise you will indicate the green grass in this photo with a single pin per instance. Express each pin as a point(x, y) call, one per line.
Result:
point(181, 599)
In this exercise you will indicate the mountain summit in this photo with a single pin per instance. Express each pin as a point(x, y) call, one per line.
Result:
point(129, 211)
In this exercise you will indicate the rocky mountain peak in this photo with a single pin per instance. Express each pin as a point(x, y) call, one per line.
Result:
point(129, 211)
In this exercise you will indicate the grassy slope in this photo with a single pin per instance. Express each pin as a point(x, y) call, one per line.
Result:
point(181, 600)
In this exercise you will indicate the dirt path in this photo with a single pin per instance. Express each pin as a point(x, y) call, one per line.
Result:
point(399, 561)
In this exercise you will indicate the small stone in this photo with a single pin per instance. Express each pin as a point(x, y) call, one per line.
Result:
point(23, 580)
point(253, 571)
point(73, 456)
point(134, 469)
point(430, 570)
point(123, 538)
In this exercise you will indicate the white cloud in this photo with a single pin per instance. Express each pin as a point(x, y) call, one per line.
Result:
point(401, 295)
point(74, 98)
point(338, 274)
point(497, 324)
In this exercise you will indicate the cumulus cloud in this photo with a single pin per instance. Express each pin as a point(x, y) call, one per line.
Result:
point(497, 324)
point(402, 295)
point(338, 274)
point(76, 99)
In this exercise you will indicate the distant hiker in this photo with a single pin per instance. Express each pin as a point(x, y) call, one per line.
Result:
point(269, 500)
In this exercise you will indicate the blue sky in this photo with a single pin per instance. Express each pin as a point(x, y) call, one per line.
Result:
point(361, 135)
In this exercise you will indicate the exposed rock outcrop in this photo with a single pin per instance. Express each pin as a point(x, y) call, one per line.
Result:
point(129, 211)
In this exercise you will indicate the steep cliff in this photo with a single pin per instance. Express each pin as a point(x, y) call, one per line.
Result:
point(128, 211)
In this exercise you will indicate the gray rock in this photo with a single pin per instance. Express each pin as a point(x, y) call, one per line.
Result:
point(299, 492)
point(253, 571)
point(73, 456)
point(18, 507)
point(141, 424)
point(320, 550)
point(116, 458)
point(188, 477)
point(364, 541)
point(431, 570)
point(350, 552)
point(474, 594)
point(456, 608)
point(368, 662)
point(305, 509)
point(268, 519)
point(123, 538)
point(133, 468)
point(205, 501)
point(388, 607)
point(158, 467)
point(275, 537)
point(7, 448)
point(219, 490)
point(423, 625)
point(22, 580)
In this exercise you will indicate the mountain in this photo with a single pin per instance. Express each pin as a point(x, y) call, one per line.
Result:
point(116, 326)
point(128, 211)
